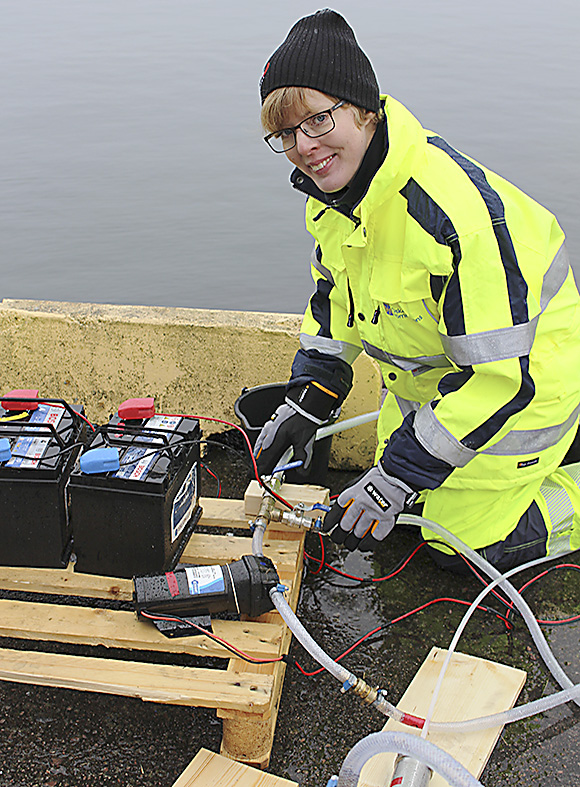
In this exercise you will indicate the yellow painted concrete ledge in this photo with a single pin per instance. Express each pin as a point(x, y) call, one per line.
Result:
point(190, 360)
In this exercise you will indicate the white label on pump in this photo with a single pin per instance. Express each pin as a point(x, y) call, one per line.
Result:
point(136, 461)
point(184, 503)
point(205, 579)
point(29, 450)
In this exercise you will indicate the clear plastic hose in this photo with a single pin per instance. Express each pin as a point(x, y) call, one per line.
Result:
point(349, 423)
point(296, 627)
point(543, 648)
point(460, 629)
point(410, 745)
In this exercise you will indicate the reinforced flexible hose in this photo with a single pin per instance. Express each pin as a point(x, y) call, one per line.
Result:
point(543, 648)
point(258, 541)
point(410, 745)
point(296, 627)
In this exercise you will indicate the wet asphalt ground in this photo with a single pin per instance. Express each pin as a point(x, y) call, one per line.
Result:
point(51, 736)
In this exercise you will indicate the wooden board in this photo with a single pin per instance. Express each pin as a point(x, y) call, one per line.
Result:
point(207, 688)
point(212, 769)
point(292, 493)
point(472, 687)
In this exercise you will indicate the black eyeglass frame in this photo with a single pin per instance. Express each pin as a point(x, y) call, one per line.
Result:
point(294, 129)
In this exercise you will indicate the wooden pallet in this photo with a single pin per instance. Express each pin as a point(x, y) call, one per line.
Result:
point(246, 696)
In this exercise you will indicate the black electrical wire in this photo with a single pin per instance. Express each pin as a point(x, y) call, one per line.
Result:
point(227, 645)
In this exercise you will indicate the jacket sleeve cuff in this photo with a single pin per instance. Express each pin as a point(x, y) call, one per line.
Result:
point(405, 458)
point(332, 374)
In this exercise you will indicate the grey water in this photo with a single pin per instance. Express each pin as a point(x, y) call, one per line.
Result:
point(132, 166)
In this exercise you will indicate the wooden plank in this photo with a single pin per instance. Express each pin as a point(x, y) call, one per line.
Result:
point(213, 549)
point(223, 512)
point(292, 493)
point(208, 768)
point(472, 687)
point(64, 582)
point(201, 548)
point(118, 629)
point(209, 688)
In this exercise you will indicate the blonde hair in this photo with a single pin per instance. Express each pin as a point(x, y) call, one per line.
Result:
point(283, 100)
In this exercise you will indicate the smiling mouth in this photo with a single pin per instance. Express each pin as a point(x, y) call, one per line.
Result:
point(321, 164)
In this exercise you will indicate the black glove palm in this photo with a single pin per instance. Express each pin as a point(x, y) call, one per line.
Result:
point(294, 424)
point(287, 428)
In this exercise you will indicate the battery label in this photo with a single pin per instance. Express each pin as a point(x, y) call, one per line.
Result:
point(205, 579)
point(184, 503)
point(137, 461)
point(29, 450)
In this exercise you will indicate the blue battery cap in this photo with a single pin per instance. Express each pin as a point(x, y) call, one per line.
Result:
point(5, 452)
point(100, 460)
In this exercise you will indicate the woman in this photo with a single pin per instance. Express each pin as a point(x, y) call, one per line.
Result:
point(456, 283)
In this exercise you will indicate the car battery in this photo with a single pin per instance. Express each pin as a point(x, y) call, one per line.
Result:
point(39, 443)
point(137, 519)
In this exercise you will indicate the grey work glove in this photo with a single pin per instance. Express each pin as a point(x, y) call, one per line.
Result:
point(365, 512)
point(287, 427)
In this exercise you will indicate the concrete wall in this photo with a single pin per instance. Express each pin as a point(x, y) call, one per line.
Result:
point(190, 360)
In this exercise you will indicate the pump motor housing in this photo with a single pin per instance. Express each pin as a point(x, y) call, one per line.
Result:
point(137, 519)
point(194, 593)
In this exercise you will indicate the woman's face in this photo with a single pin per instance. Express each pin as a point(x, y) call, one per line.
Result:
point(333, 159)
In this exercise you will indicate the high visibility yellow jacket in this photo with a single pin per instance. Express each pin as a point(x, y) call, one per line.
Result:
point(459, 285)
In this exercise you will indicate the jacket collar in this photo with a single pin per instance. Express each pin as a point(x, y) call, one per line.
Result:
point(380, 176)
point(349, 197)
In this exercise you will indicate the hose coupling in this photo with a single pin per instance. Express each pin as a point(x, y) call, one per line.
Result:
point(367, 693)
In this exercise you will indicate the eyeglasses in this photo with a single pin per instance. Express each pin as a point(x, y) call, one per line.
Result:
point(314, 126)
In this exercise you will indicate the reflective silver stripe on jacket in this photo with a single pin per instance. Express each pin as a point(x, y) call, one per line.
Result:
point(527, 441)
point(320, 267)
point(513, 341)
point(416, 366)
point(407, 406)
point(346, 352)
point(436, 439)
point(561, 510)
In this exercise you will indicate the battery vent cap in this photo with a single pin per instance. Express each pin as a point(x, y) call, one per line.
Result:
point(136, 409)
point(5, 452)
point(100, 460)
point(16, 406)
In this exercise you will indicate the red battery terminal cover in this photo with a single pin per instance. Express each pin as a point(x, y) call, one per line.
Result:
point(136, 409)
point(20, 407)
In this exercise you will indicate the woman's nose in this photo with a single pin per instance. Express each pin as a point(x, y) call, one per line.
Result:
point(304, 143)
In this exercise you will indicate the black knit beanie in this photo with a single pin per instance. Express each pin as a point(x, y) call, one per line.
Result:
point(322, 53)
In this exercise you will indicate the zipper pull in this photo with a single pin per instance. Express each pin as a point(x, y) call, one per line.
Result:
point(376, 315)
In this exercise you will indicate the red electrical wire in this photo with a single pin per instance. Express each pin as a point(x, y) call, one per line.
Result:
point(211, 473)
point(396, 571)
point(531, 581)
point(80, 415)
point(248, 443)
point(212, 636)
point(397, 620)
point(319, 560)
